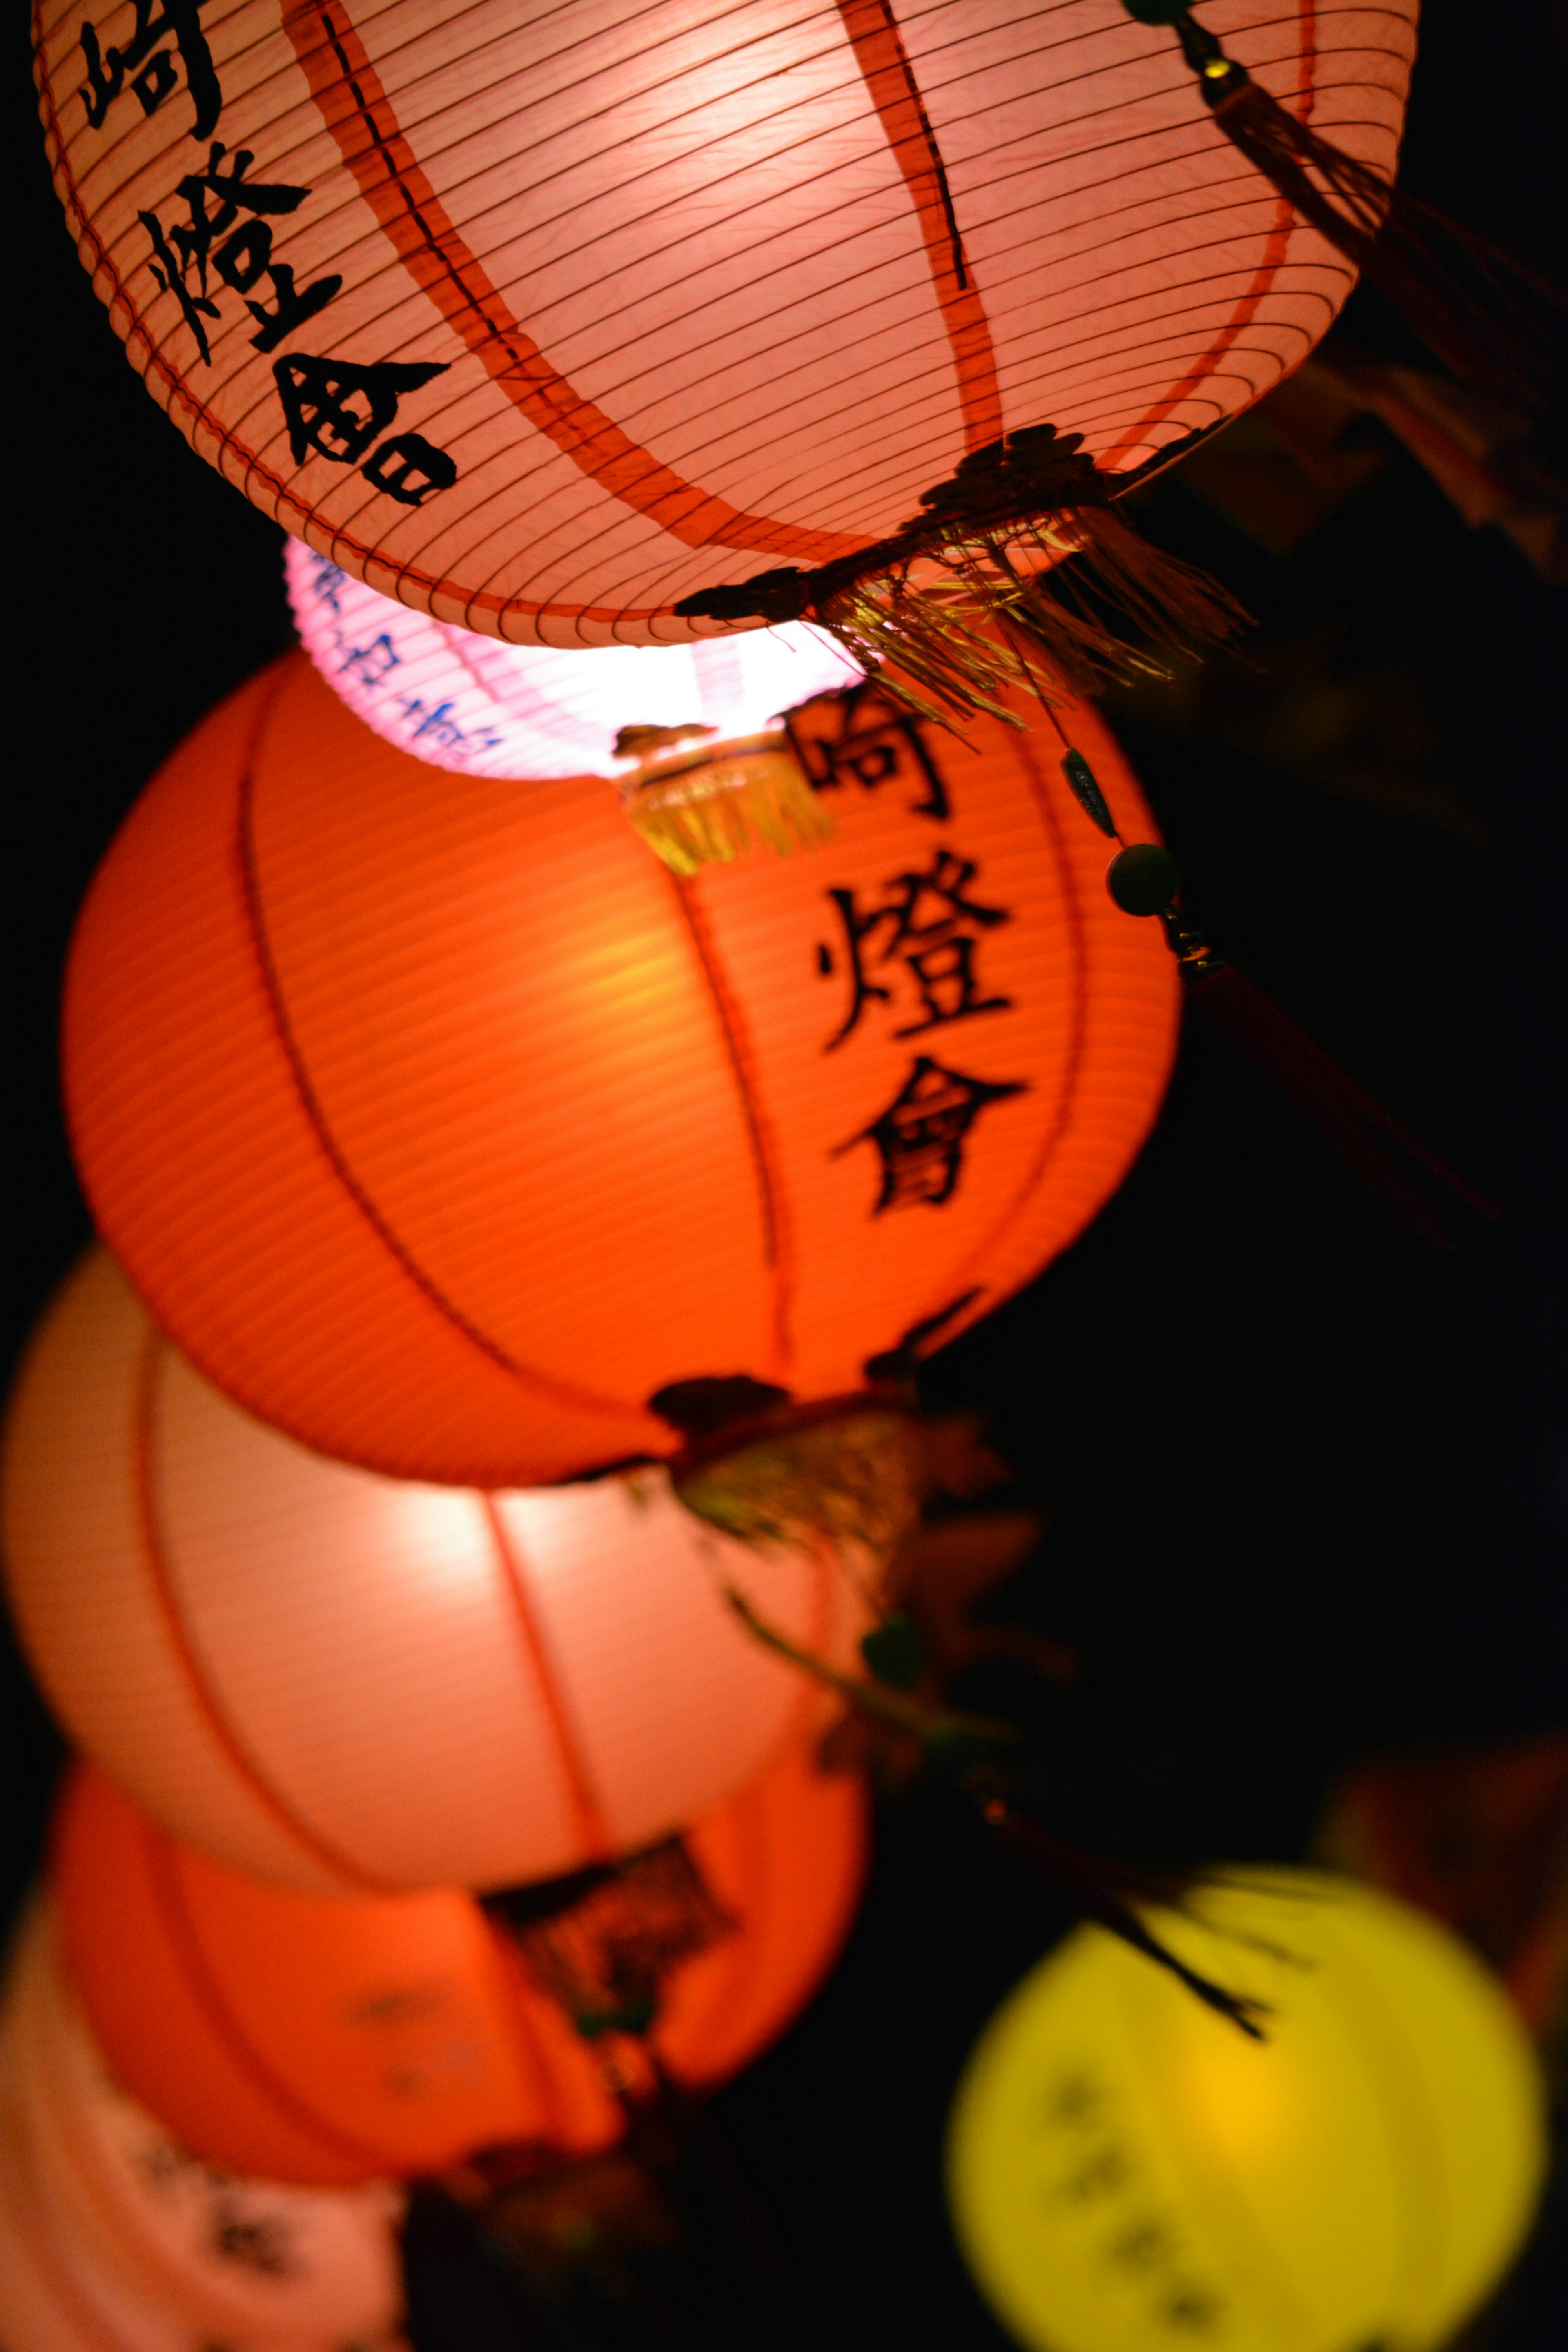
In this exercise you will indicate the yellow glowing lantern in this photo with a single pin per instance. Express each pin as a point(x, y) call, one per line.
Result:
point(1127, 2172)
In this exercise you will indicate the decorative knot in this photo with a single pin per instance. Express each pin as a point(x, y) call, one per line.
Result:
point(772, 597)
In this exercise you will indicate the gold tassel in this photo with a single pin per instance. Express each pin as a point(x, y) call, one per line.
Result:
point(1015, 574)
point(714, 804)
point(853, 1474)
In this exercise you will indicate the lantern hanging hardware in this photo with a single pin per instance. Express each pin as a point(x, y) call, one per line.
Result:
point(1144, 879)
point(1494, 322)
point(993, 545)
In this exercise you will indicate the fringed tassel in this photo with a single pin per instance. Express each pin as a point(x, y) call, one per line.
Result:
point(1017, 573)
point(1493, 322)
point(709, 811)
point(1340, 1107)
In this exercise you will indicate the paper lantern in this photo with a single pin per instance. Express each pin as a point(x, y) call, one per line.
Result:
point(1126, 2170)
point(442, 1127)
point(325, 2039)
point(114, 2239)
point(466, 702)
point(354, 1684)
point(547, 322)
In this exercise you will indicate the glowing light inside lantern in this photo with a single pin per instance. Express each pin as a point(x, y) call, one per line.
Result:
point(467, 703)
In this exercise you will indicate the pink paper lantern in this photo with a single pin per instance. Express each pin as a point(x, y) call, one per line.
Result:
point(352, 1684)
point(545, 319)
point(464, 701)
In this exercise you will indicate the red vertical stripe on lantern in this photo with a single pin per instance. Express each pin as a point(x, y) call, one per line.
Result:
point(358, 113)
point(776, 1237)
point(587, 1812)
point(1269, 268)
point(174, 1911)
point(560, 1391)
point(883, 60)
point(183, 1646)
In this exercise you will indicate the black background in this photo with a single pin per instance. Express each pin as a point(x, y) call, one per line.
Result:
point(1306, 1480)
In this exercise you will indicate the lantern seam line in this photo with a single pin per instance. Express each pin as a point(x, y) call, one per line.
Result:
point(877, 42)
point(559, 1391)
point(155, 1350)
point(777, 1250)
point(582, 1798)
point(1276, 252)
point(54, 2263)
point(1055, 1134)
point(174, 1913)
point(507, 352)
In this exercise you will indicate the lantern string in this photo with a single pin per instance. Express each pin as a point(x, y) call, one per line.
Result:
point(1484, 314)
point(1021, 534)
point(1144, 879)
point(975, 1752)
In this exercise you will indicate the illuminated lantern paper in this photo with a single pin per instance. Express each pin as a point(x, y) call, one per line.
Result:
point(332, 2040)
point(1124, 2167)
point(550, 319)
point(355, 1684)
point(114, 2238)
point(441, 1126)
point(466, 702)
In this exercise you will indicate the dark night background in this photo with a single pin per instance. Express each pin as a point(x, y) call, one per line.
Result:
point(1306, 1479)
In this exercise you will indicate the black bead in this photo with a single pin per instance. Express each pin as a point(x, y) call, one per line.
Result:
point(1144, 879)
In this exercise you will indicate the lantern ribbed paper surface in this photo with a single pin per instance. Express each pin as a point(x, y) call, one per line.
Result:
point(544, 319)
point(441, 1124)
point(463, 701)
point(114, 2238)
point(330, 2040)
point(354, 1684)
point(1126, 2170)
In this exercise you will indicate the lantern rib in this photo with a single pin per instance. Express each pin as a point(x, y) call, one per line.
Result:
point(183, 1643)
point(440, 263)
point(174, 1912)
point(56, 2266)
point(1067, 1102)
point(592, 1828)
point(889, 80)
point(777, 1241)
point(560, 1391)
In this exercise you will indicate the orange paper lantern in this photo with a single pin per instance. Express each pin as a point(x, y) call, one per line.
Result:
point(543, 321)
point(322, 2040)
point(355, 1684)
point(115, 2238)
point(441, 1126)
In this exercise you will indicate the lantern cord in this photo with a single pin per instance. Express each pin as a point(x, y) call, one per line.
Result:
point(1495, 323)
point(1106, 1892)
point(969, 1749)
point(1022, 534)
point(1344, 1113)
point(1144, 879)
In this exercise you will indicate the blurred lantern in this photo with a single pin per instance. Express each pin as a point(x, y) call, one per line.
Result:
point(557, 325)
point(320, 2039)
point(1126, 2170)
point(442, 1127)
point(353, 1684)
point(466, 702)
point(114, 2238)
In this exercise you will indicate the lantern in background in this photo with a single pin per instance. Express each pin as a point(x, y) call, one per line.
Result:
point(354, 1684)
point(112, 2235)
point(328, 2040)
point(442, 1127)
point(466, 702)
point(1124, 2167)
point(551, 325)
